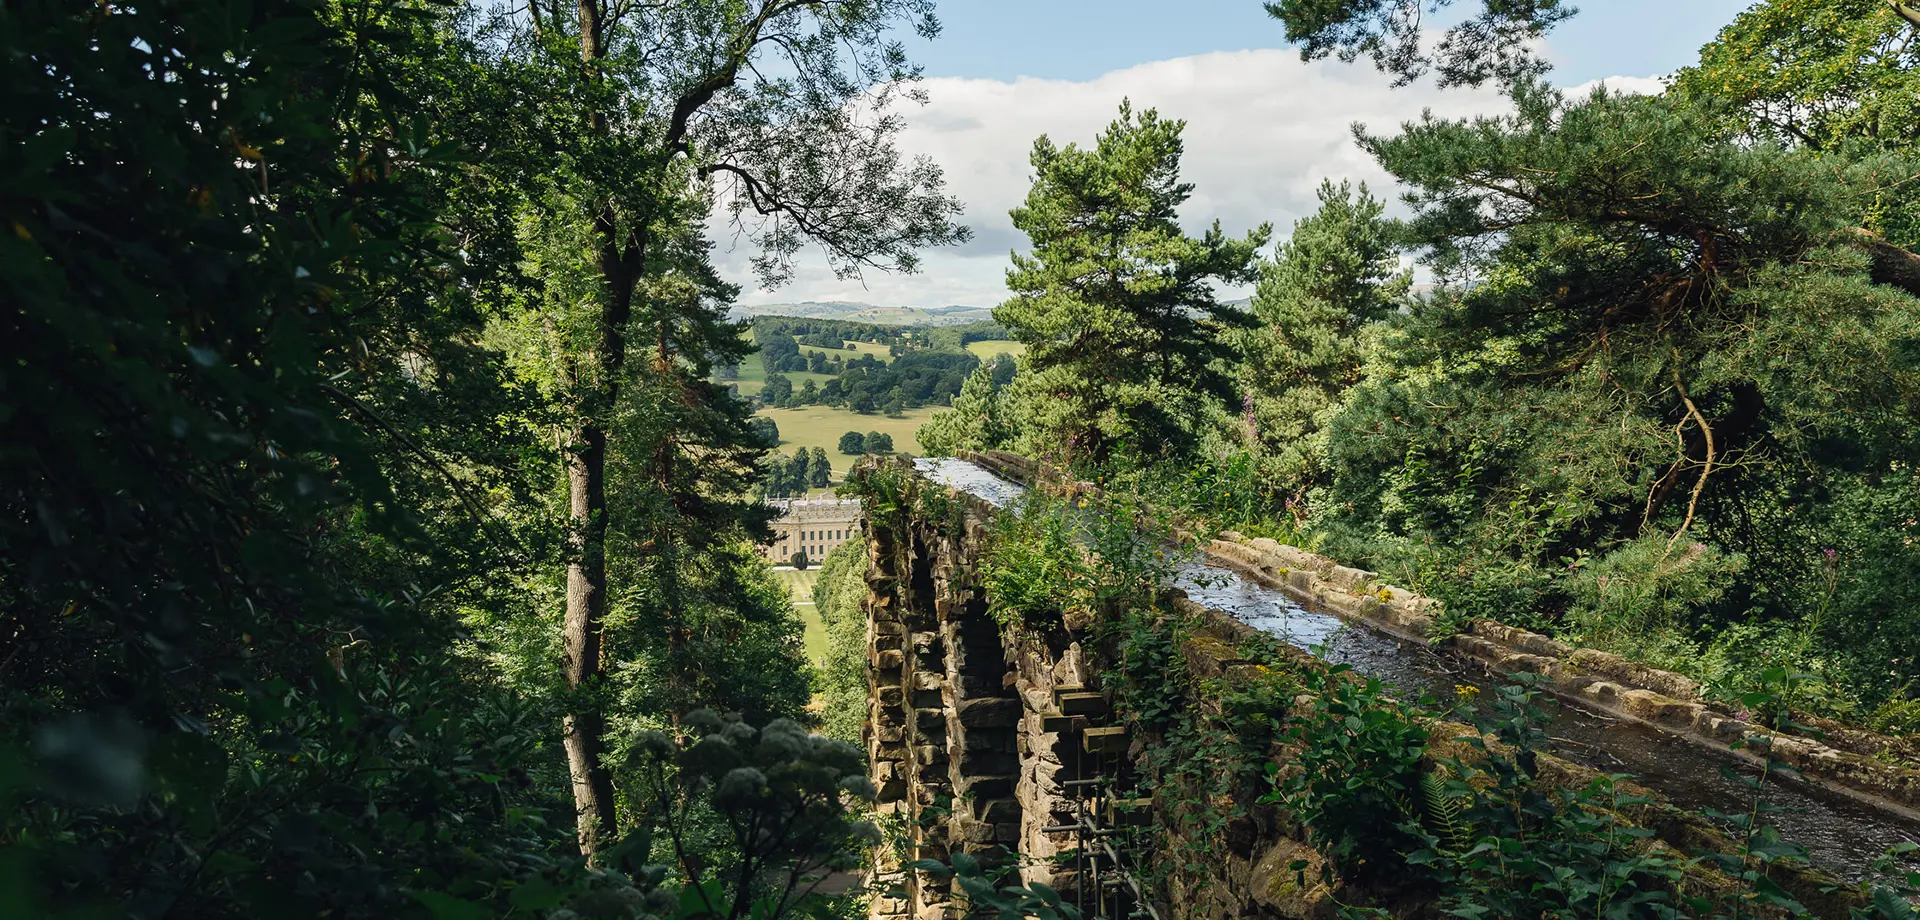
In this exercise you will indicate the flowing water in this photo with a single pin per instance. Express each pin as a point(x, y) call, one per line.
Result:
point(1840, 833)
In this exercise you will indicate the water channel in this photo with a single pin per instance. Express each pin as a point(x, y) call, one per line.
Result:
point(1841, 833)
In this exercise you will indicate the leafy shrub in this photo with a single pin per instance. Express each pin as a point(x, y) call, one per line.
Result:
point(1032, 569)
point(1648, 586)
point(1356, 777)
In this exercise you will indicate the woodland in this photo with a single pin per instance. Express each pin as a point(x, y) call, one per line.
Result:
point(380, 531)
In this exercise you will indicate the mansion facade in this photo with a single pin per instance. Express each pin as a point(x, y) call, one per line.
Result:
point(815, 525)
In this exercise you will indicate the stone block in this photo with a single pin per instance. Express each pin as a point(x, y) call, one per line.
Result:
point(1520, 640)
point(973, 685)
point(995, 811)
point(1350, 579)
point(1659, 709)
point(1054, 722)
point(994, 712)
point(1111, 739)
point(988, 739)
point(1339, 602)
point(989, 763)
point(1081, 703)
point(888, 659)
point(967, 830)
point(1295, 893)
point(1207, 658)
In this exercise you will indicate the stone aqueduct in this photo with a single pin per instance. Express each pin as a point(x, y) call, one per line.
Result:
point(995, 740)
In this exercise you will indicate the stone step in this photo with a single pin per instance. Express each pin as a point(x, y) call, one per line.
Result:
point(1108, 739)
point(1056, 722)
point(1080, 703)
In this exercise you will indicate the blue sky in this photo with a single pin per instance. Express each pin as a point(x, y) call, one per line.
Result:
point(1263, 128)
point(1082, 39)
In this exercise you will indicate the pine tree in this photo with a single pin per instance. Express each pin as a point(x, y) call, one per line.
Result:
point(1116, 304)
point(798, 470)
point(819, 469)
point(976, 421)
point(1335, 275)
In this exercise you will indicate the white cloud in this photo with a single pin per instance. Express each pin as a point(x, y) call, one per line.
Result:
point(1637, 86)
point(1263, 129)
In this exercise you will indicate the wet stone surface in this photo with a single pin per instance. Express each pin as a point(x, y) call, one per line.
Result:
point(1841, 834)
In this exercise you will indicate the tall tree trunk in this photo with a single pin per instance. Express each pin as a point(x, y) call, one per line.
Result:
point(585, 726)
point(598, 392)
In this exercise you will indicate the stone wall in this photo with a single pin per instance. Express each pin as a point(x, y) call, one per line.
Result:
point(967, 745)
point(979, 732)
point(1880, 769)
point(1883, 770)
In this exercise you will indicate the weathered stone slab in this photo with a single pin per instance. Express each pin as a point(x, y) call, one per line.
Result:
point(993, 712)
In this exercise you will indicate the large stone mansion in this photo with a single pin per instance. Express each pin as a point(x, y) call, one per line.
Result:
point(816, 525)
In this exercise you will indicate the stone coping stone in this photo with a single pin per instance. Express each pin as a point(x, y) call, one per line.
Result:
point(1847, 757)
point(1851, 759)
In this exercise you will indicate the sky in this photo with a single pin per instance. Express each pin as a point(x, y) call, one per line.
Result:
point(1263, 128)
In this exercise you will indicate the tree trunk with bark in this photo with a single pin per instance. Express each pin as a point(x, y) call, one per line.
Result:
point(585, 726)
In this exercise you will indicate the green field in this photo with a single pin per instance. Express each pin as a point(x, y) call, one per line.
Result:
point(986, 349)
point(822, 426)
point(753, 373)
point(800, 585)
point(858, 348)
point(753, 377)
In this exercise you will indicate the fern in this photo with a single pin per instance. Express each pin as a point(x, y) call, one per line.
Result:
point(1445, 813)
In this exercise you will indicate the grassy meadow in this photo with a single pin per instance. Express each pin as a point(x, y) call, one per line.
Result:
point(985, 350)
point(854, 350)
point(800, 585)
point(753, 377)
point(822, 426)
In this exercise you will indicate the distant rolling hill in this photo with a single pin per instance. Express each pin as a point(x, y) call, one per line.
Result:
point(952, 315)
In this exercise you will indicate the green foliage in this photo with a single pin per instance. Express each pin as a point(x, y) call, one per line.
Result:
point(977, 421)
point(1115, 304)
point(1836, 76)
point(800, 560)
point(876, 442)
point(842, 686)
point(1504, 843)
point(1032, 568)
point(982, 897)
point(1356, 780)
point(1337, 274)
point(258, 456)
point(1654, 335)
point(1649, 586)
point(1497, 43)
point(853, 443)
point(809, 787)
